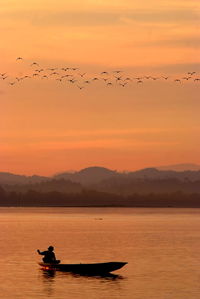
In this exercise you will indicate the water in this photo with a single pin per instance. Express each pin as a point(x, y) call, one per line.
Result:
point(161, 247)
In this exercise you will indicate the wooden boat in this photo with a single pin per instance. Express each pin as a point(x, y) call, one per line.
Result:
point(97, 268)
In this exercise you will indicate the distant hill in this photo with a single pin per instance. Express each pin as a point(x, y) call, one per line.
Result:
point(57, 185)
point(154, 173)
point(105, 180)
point(180, 167)
point(88, 176)
point(13, 179)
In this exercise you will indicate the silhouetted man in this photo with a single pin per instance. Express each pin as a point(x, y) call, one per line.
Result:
point(49, 256)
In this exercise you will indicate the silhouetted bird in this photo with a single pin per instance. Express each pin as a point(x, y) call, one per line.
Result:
point(34, 63)
point(82, 74)
point(118, 78)
point(117, 72)
point(80, 87)
point(123, 84)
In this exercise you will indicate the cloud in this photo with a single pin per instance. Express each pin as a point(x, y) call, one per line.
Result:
point(165, 16)
point(101, 18)
point(83, 135)
point(186, 42)
point(170, 68)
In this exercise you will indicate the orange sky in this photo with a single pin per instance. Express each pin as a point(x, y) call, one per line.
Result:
point(47, 126)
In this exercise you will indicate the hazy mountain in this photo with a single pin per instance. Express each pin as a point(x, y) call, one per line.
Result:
point(153, 173)
point(88, 176)
point(128, 186)
point(61, 185)
point(180, 167)
point(97, 177)
point(13, 179)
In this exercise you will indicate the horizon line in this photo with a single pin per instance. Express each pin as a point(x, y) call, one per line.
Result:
point(196, 165)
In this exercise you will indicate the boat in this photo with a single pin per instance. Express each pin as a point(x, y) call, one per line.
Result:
point(92, 269)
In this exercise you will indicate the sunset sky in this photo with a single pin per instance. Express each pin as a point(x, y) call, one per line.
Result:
point(47, 126)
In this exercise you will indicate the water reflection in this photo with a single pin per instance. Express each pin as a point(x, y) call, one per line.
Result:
point(48, 280)
point(54, 282)
point(108, 276)
point(51, 274)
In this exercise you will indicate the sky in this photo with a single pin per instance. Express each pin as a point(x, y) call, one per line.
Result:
point(49, 126)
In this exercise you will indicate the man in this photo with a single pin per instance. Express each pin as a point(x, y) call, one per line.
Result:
point(49, 256)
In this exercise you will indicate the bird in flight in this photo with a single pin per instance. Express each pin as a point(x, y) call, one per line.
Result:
point(138, 78)
point(72, 81)
point(19, 58)
point(117, 72)
point(54, 73)
point(186, 78)
point(52, 69)
point(39, 71)
point(80, 87)
point(82, 74)
point(34, 63)
point(68, 75)
point(118, 78)
point(123, 84)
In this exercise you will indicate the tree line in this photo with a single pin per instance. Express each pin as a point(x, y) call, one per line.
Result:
point(91, 198)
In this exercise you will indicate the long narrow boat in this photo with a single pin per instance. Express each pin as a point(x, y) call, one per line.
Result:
point(97, 268)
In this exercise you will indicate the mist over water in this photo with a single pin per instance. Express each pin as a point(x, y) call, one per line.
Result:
point(161, 247)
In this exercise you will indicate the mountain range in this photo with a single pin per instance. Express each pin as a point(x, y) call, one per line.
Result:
point(93, 175)
point(99, 186)
point(180, 167)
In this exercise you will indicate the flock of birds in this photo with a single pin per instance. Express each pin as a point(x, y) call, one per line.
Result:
point(74, 76)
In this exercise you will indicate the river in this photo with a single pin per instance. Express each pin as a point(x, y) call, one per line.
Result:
point(161, 247)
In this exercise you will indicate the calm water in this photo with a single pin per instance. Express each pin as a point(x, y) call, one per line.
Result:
point(161, 246)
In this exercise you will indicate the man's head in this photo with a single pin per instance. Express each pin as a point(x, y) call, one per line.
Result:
point(51, 248)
